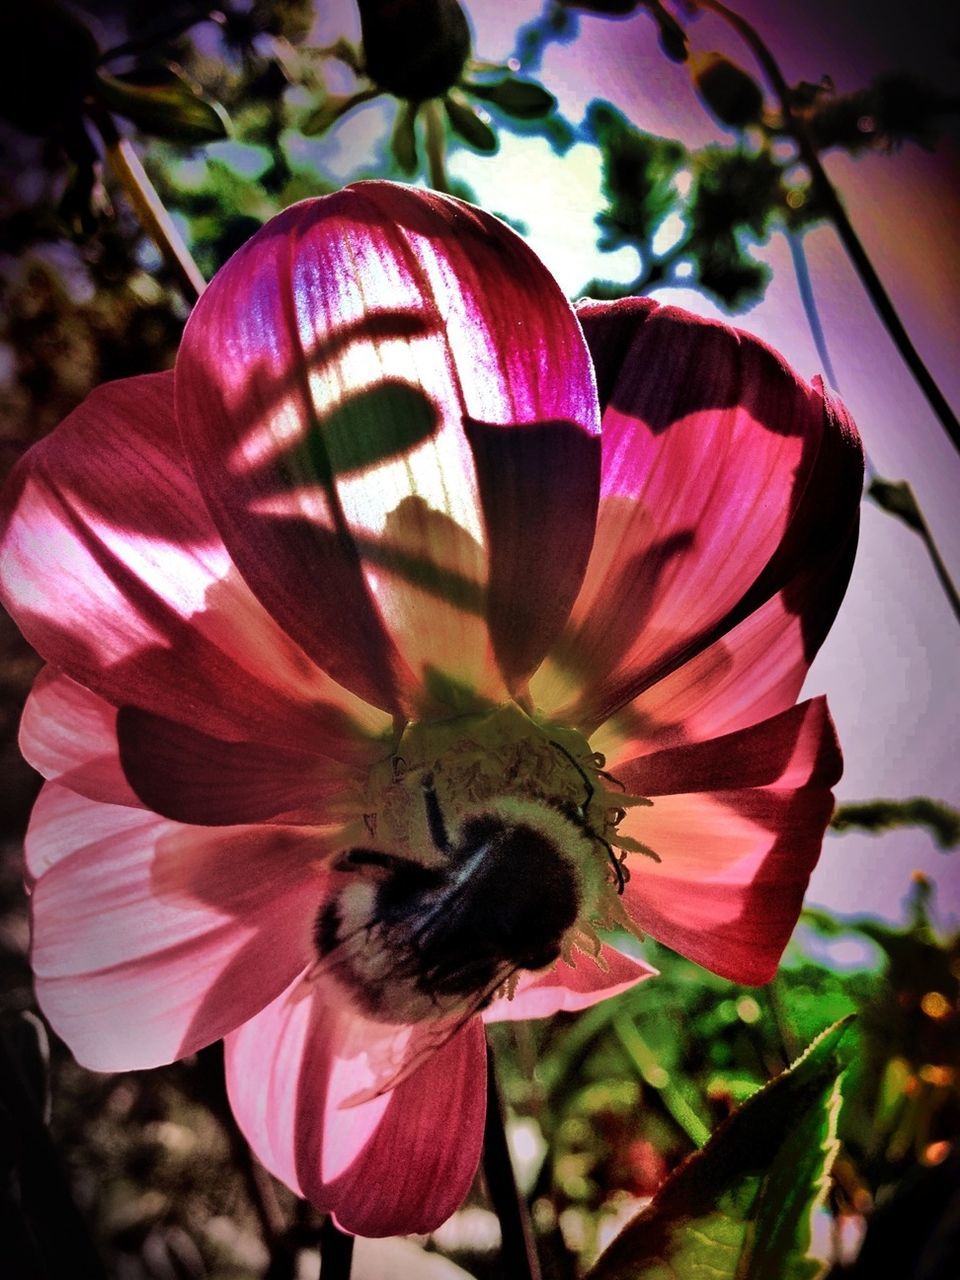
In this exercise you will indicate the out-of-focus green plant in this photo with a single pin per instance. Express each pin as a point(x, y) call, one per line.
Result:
point(941, 820)
point(743, 1206)
point(714, 203)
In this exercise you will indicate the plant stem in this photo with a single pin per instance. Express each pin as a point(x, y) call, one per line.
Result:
point(649, 1070)
point(518, 1255)
point(257, 1182)
point(838, 216)
point(801, 269)
point(896, 498)
point(336, 1252)
point(130, 173)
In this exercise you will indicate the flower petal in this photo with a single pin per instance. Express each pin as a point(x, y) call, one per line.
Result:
point(539, 488)
point(399, 1163)
point(737, 824)
point(569, 987)
point(724, 477)
point(323, 384)
point(70, 736)
point(194, 777)
point(753, 672)
point(114, 572)
point(152, 939)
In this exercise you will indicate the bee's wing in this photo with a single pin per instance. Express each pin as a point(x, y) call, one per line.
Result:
point(393, 1053)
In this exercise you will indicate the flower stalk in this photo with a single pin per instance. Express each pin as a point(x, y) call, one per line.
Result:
point(518, 1253)
point(336, 1252)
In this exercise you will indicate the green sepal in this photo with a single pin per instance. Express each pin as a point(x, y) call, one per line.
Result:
point(468, 125)
point(523, 99)
point(741, 1208)
point(164, 105)
point(403, 139)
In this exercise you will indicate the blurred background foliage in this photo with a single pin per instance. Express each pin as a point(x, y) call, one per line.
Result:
point(231, 108)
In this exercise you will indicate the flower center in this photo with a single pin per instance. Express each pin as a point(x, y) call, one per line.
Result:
point(488, 848)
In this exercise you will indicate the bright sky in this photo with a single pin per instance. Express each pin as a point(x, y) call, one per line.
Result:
point(890, 667)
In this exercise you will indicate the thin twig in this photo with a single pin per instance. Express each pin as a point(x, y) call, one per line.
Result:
point(838, 216)
point(801, 269)
point(160, 34)
point(518, 1254)
point(897, 499)
point(149, 208)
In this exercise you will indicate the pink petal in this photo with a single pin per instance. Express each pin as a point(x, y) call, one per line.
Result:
point(401, 1162)
point(152, 939)
point(114, 572)
point(570, 987)
point(322, 388)
point(70, 736)
point(753, 672)
point(738, 824)
point(725, 481)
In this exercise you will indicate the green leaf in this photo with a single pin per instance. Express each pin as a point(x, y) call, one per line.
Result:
point(740, 1209)
point(468, 124)
point(524, 99)
point(167, 106)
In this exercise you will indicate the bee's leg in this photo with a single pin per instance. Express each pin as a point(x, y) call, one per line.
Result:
point(617, 864)
point(355, 859)
point(438, 830)
point(582, 772)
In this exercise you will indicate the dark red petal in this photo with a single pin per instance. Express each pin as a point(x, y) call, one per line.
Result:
point(539, 487)
point(726, 481)
point(194, 777)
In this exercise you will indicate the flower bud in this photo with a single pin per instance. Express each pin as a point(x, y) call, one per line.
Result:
point(47, 61)
point(726, 90)
point(415, 49)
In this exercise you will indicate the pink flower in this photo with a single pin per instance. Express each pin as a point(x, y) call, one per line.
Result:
point(358, 576)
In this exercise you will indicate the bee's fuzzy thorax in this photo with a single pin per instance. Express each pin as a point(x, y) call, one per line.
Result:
point(510, 766)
